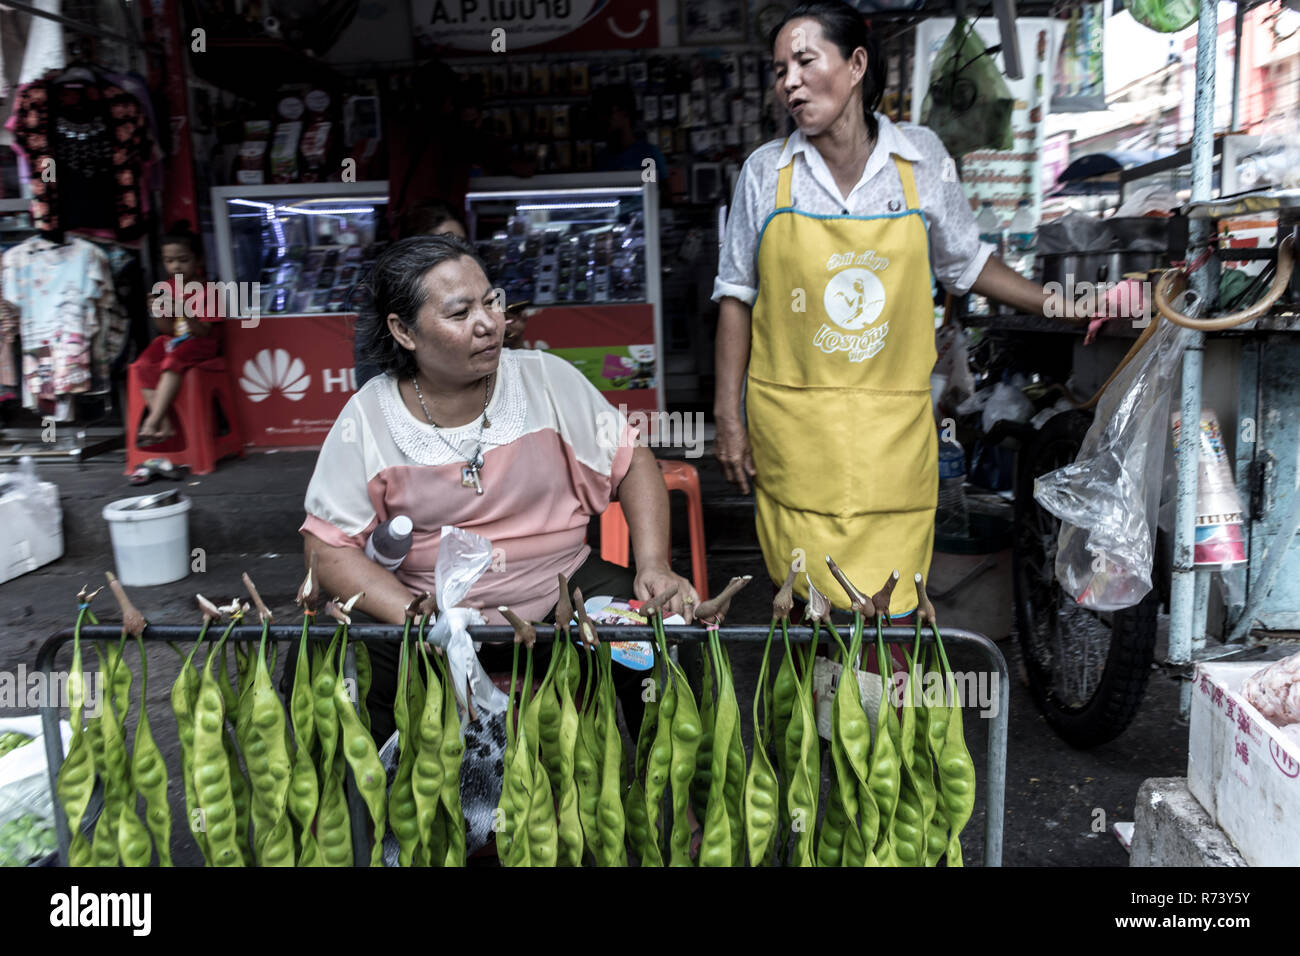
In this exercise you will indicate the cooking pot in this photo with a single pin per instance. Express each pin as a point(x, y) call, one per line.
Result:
point(1150, 233)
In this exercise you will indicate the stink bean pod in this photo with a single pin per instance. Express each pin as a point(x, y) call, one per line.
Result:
point(611, 822)
point(212, 778)
point(149, 771)
point(956, 770)
point(761, 788)
point(76, 779)
point(360, 752)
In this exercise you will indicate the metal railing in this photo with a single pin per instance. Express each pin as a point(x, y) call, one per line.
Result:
point(995, 761)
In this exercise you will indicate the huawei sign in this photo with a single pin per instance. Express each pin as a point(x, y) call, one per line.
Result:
point(272, 370)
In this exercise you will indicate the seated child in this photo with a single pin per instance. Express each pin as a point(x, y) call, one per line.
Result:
point(183, 341)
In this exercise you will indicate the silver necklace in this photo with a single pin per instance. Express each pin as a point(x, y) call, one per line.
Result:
point(469, 474)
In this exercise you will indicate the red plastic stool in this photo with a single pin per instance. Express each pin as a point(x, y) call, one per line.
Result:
point(197, 443)
point(678, 476)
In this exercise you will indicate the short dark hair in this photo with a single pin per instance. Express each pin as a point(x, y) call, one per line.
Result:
point(395, 286)
point(847, 29)
point(180, 234)
point(425, 216)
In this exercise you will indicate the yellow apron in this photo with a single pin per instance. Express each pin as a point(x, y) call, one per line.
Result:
point(838, 396)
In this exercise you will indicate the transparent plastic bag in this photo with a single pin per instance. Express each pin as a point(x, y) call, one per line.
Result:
point(1164, 16)
point(462, 558)
point(1275, 162)
point(968, 103)
point(1074, 232)
point(953, 364)
point(1108, 499)
point(26, 810)
point(1275, 691)
point(1007, 403)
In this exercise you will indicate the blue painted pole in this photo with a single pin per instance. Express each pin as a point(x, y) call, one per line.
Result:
point(1182, 605)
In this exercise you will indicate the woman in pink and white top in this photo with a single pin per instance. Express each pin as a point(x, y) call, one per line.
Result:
point(516, 446)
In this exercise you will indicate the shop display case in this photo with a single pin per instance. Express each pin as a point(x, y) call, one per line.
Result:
point(300, 252)
point(584, 250)
point(306, 245)
point(15, 222)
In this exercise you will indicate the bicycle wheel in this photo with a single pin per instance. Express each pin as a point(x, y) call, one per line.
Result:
point(1087, 670)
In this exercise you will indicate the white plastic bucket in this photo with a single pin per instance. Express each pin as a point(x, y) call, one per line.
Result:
point(151, 546)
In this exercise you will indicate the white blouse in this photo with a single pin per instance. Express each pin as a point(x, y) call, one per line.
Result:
point(956, 253)
point(555, 455)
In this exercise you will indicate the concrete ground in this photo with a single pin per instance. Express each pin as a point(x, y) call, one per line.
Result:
point(1060, 802)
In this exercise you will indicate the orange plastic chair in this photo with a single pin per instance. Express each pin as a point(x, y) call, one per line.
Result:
point(678, 476)
point(197, 443)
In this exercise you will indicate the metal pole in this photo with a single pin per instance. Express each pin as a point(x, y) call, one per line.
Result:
point(1200, 612)
point(1237, 22)
point(50, 731)
point(996, 767)
point(1183, 592)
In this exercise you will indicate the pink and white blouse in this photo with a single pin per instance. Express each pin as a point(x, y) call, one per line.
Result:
point(554, 456)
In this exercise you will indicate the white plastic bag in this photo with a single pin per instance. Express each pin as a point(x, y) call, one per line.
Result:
point(1007, 403)
point(32, 520)
point(24, 780)
point(462, 558)
point(953, 364)
point(1108, 498)
point(1275, 691)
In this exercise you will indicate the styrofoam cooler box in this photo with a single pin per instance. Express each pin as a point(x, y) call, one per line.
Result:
point(1242, 769)
point(31, 532)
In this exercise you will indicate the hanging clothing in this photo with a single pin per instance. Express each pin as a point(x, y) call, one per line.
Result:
point(9, 321)
point(63, 294)
point(95, 137)
point(839, 374)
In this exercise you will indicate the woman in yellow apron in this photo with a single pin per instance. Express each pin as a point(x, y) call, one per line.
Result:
point(824, 292)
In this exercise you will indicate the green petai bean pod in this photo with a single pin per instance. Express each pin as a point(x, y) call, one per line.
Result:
point(149, 771)
point(761, 788)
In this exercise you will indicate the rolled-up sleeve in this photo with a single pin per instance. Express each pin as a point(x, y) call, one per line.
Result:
point(339, 510)
point(737, 266)
point(957, 255)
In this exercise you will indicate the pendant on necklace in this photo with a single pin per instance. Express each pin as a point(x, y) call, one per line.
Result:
point(469, 478)
point(486, 421)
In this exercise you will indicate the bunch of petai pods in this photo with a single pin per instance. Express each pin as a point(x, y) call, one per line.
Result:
point(264, 784)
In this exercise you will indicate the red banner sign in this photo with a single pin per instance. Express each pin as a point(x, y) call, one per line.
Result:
point(292, 375)
point(502, 26)
point(612, 345)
